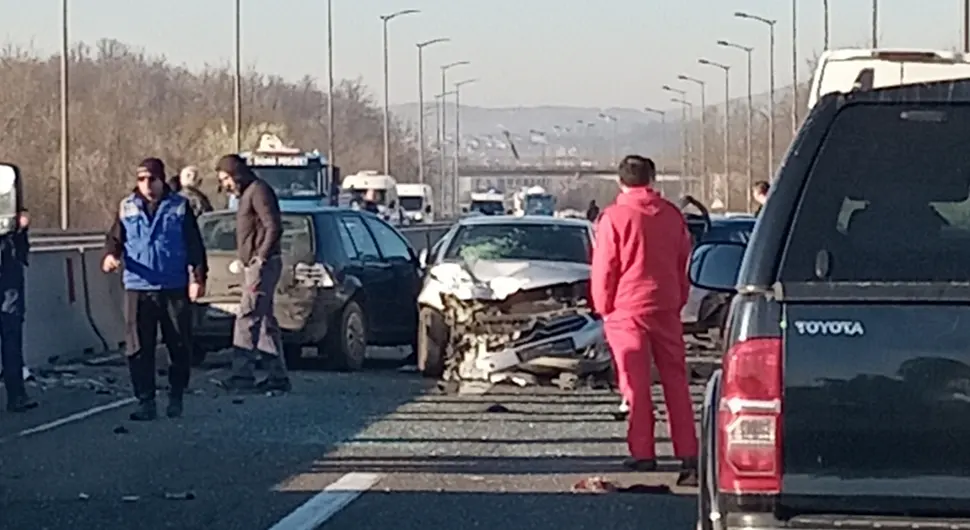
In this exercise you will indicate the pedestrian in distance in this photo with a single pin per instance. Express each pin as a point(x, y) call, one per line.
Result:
point(256, 337)
point(189, 183)
point(156, 239)
point(639, 285)
point(14, 253)
point(592, 212)
point(760, 194)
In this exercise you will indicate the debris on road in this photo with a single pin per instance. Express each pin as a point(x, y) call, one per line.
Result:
point(594, 485)
point(130, 498)
point(121, 429)
point(498, 408)
point(180, 496)
point(83, 496)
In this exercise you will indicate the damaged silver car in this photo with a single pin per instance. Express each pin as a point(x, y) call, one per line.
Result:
point(507, 299)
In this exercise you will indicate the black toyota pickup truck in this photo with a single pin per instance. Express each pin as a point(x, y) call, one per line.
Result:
point(844, 396)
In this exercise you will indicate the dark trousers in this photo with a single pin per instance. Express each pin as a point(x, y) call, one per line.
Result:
point(145, 311)
point(12, 309)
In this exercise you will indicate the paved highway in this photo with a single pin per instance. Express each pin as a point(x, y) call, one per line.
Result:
point(422, 461)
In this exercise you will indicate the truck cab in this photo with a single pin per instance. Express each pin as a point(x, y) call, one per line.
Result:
point(489, 202)
point(371, 186)
point(415, 201)
point(534, 201)
point(844, 394)
point(297, 177)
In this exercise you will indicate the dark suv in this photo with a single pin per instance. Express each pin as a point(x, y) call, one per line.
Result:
point(844, 395)
point(349, 279)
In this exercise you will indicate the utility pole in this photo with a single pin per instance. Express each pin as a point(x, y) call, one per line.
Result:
point(663, 144)
point(771, 83)
point(703, 86)
point(827, 23)
point(444, 117)
point(421, 147)
point(686, 108)
point(237, 82)
point(385, 19)
point(727, 128)
point(794, 68)
point(875, 24)
point(458, 86)
point(331, 155)
point(748, 50)
point(65, 122)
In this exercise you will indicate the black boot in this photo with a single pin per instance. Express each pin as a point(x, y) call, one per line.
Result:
point(644, 466)
point(175, 405)
point(688, 473)
point(274, 385)
point(146, 411)
point(20, 403)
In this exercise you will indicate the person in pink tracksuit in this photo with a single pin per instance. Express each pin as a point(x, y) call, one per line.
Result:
point(639, 285)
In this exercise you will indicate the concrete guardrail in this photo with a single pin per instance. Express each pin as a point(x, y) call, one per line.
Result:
point(74, 310)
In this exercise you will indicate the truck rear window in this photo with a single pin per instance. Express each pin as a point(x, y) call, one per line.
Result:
point(886, 199)
point(219, 233)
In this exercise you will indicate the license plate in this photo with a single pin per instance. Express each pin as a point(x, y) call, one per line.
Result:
point(222, 310)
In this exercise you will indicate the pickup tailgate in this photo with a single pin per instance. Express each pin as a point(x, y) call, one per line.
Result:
point(876, 407)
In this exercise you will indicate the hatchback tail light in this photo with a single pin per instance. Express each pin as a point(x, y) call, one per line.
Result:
point(749, 419)
point(315, 275)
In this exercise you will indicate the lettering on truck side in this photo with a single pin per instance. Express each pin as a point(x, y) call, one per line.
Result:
point(849, 328)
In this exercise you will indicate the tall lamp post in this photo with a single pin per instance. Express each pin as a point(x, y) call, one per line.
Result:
point(663, 141)
point(750, 135)
point(727, 126)
point(771, 82)
point(331, 143)
point(687, 116)
point(686, 109)
point(65, 136)
point(794, 68)
point(440, 102)
point(875, 24)
point(454, 185)
point(421, 46)
point(703, 86)
point(827, 24)
point(385, 19)
point(444, 109)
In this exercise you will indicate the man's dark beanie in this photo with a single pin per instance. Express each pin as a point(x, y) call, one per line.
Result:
point(153, 166)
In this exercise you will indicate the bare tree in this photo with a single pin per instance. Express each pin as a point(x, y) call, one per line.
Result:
point(127, 104)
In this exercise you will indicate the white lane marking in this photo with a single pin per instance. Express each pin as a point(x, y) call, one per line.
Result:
point(324, 505)
point(77, 416)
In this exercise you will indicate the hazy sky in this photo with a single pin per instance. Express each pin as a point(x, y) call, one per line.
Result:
point(525, 52)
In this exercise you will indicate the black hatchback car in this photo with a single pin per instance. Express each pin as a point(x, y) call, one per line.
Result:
point(349, 279)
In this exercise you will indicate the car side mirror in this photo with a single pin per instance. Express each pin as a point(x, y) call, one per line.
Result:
point(715, 266)
point(10, 198)
point(427, 209)
point(423, 258)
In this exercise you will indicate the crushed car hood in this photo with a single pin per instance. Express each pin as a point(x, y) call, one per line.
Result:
point(497, 280)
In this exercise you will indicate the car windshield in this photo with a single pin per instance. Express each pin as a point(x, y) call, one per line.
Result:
point(411, 204)
point(539, 204)
point(219, 233)
point(291, 181)
point(521, 241)
point(488, 207)
point(887, 199)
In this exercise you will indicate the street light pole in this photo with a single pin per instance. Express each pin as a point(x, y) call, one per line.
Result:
point(771, 83)
point(458, 86)
point(748, 51)
point(703, 86)
point(65, 136)
point(385, 19)
point(237, 82)
point(440, 101)
point(331, 143)
point(727, 127)
point(826, 23)
point(444, 115)
point(794, 68)
point(875, 24)
point(685, 109)
point(966, 26)
point(421, 46)
point(687, 116)
point(663, 142)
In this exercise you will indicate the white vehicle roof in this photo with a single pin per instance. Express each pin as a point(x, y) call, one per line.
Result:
point(366, 180)
point(524, 219)
point(413, 190)
point(838, 70)
point(487, 196)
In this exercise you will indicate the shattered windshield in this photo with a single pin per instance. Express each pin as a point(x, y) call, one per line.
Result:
point(520, 242)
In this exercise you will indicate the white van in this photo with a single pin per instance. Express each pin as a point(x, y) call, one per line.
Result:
point(380, 189)
point(416, 202)
point(843, 70)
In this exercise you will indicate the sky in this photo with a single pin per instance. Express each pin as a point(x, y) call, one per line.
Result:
point(596, 53)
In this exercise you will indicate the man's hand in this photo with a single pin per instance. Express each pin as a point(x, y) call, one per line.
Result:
point(24, 220)
point(196, 291)
point(110, 264)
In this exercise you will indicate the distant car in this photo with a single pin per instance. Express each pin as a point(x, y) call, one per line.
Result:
point(507, 297)
point(350, 279)
point(705, 310)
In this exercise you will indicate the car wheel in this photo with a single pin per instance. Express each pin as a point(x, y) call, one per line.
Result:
point(432, 338)
point(346, 344)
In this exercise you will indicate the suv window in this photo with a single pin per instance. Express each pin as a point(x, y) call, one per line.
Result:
point(219, 233)
point(886, 199)
point(392, 245)
point(361, 237)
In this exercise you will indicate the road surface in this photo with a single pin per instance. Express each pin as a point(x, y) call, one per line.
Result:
point(402, 457)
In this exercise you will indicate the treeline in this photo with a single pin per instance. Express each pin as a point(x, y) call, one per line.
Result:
point(126, 105)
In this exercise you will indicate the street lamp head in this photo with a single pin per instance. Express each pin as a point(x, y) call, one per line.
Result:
point(683, 77)
point(668, 88)
point(396, 14)
point(454, 64)
point(724, 43)
point(465, 82)
point(433, 41)
point(741, 14)
point(705, 62)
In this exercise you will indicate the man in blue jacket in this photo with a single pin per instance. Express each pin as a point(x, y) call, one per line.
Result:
point(157, 239)
point(14, 250)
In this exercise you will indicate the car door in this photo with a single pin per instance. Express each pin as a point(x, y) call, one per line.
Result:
point(396, 251)
point(376, 274)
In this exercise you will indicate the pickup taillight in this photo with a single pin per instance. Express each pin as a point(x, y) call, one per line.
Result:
point(749, 419)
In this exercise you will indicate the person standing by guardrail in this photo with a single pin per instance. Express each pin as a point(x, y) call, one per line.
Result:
point(157, 239)
point(189, 182)
point(14, 252)
point(259, 229)
point(639, 285)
